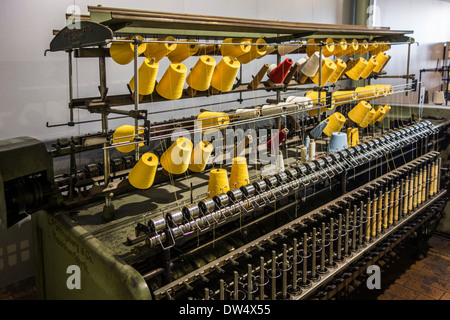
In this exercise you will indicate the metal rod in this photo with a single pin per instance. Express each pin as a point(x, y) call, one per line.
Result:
point(222, 289)
point(236, 285)
point(322, 251)
point(294, 266)
point(361, 218)
point(261, 278)
point(249, 282)
point(346, 238)
point(285, 272)
point(339, 240)
point(136, 97)
point(274, 279)
point(305, 259)
point(313, 254)
point(330, 252)
point(355, 212)
point(70, 88)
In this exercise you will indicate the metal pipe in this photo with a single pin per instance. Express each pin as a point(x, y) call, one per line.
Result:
point(136, 96)
point(274, 278)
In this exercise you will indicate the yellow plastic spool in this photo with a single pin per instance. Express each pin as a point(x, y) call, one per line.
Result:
point(209, 121)
point(123, 52)
point(335, 123)
point(146, 76)
point(328, 49)
point(328, 68)
point(352, 137)
point(386, 45)
point(381, 58)
point(362, 47)
point(225, 74)
point(183, 51)
point(386, 108)
point(359, 112)
point(159, 50)
point(352, 47)
point(373, 47)
point(239, 173)
point(200, 156)
point(367, 92)
point(241, 47)
point(372, 63)
point(200, 76)
point(171, 84)
point(357, 69)
point(342, 97)
point(311, 47)
point(339, 47)
point(368, 118)
point(314, 96)
point(379, 112)
point(340, 67)
point(128, 132)
point(176, 159)
point(218, 182)
point(143, 173)
point(257, 50)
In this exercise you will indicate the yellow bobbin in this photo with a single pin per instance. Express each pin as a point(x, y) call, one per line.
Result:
point(176, 159)
point(352, 137)
point(373, 46)
point(128, 132)
point(367, 92)
point(357, 69)
point(218, 182)
point(311, 47)
point(241, 47)
point(368, 118)
point(381, 58)
point(340, 67)
point(335, 123)
point(123, 52)
point(359, 112)
point(314, 96)
point(200, 76)
point(339, 47)
point(379, 112)
point(171, 84)
point(200, 156)
point(256, 51)
point(328, 68)
point(342, 97)
point(146, 76)
point(362, 47)
point(159, 50)
point(225, 74)
point(328, 49)
point(183, 51)
point(386, 45)
point(143, 173)
point(386, 108)
point(352, 47)
point(239, 173)
point(209, 121)
point(372, 63)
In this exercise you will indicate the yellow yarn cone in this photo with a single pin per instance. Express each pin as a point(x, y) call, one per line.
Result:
point(381, 58)
point(200, 156)
point(128, 132)
point(367, 92)
point(328, 68)
point(123, 52)
point(379, 112)
point(352, 47)
point(146, 76)
point(371, 64)
point(386, 109)
point(368, 118)
point(314, 95)
point(218, 182)
point(311, 47)
point(200, 76)
point(159, 50)
point(340, 67)
point(225, 74)
point(143, 173)
point(210, 122)
point(256, 51)
point(352, 137)
point(328, 49)
point(335, 123)
point(183, 51)
point(172, 82)
point(241, 46)
point(339, 47)
point(380, 48)
point(357, 69)
point(363, 47)
point(239, 173)
point(176, 159)
point(359, 112)
point(342, 97)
